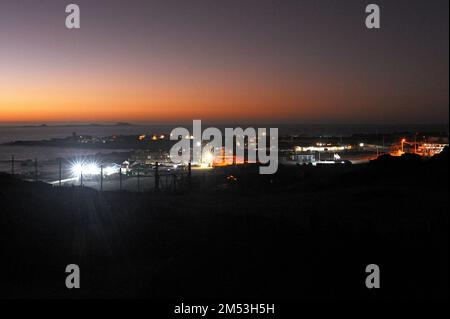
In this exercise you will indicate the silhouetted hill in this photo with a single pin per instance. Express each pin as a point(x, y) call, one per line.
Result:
point(303, 233)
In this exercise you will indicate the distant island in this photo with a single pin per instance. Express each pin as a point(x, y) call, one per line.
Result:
point(151, 141)
point(75, 125)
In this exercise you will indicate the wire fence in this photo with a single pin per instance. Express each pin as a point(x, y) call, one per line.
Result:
point(62, 173)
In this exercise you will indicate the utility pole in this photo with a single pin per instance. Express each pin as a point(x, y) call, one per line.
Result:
point(234, 150)
point(415, 143)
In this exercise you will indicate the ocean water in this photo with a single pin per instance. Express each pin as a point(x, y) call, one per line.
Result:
point(18, 133)
point(15, 133)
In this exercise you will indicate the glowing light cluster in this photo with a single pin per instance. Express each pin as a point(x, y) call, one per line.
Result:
point(81, 168)
point(85, 169)
point(110, 170)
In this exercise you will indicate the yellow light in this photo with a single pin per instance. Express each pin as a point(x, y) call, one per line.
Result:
point(209, 157)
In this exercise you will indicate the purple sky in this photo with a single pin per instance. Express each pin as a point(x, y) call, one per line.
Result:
point(219, 60)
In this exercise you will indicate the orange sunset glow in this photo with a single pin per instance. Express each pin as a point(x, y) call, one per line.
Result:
point(219, 65)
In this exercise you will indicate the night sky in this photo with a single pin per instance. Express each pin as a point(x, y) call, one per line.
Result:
point(242, 60)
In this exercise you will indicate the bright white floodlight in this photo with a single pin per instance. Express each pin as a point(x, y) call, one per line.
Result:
point(91, 169)
point(85, 169)
point(77, 169)
point(111, 170)
point(209, 158)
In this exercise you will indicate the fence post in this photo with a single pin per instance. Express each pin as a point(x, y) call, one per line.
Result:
point(12, 165)
point(35, 169)
point(101, 177)
point(156, 177)
point(138, 179)
point(189, 173)
point(120, 177)
point(60, 171)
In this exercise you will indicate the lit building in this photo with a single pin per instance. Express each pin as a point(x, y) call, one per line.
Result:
point(430, 149)
point(148, 157)
point(300, 159)
point(323, 148)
